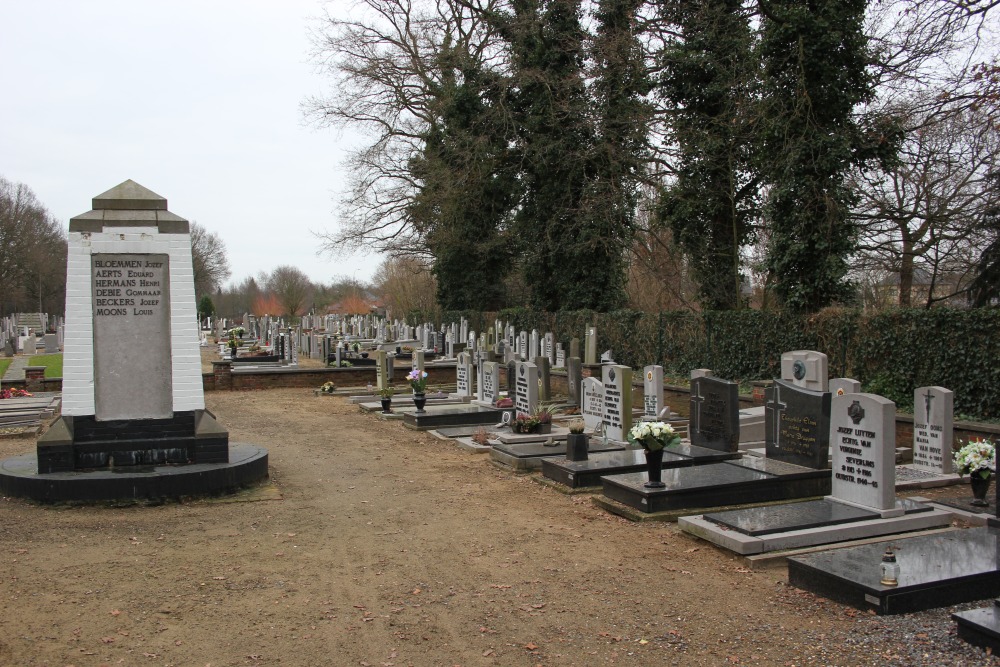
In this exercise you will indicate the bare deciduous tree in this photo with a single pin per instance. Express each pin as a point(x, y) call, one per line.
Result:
point(291, 288)
point(211, 266)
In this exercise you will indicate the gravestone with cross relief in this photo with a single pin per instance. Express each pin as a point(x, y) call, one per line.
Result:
point(797, 425)
point(933, 429)
point(715, 414)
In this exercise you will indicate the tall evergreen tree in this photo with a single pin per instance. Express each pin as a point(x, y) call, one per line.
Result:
point(814, 57)
point(709, 80)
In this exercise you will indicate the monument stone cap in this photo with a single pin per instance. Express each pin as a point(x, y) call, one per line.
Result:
point(129, 204)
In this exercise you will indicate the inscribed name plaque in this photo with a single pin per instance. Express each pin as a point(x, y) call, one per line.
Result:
point(463, 375)
point(715, 414)
point(933, 415)
point(617, 382)
point(131, 336)
point(491, 382)
point(863, 435)
point(797, 425)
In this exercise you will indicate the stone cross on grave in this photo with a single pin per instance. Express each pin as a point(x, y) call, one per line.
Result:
point(696, 400)
point(928, 400)
point(776, 407)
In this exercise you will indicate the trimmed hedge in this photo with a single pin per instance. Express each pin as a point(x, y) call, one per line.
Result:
point(891, 353)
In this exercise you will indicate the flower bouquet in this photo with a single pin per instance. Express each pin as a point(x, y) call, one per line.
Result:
point(328, 388)
point(418, 380)
point(653, 436)
point(978, 457)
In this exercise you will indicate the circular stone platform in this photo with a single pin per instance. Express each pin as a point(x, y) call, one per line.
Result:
point(247, 464)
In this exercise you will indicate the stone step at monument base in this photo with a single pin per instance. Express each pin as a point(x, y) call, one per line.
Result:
point(450, 415)
point(530, 456)
point(795, 525)
point(934, 571)
point(980, 627)
point(747, 480)
point(909, 476)
point(575, 474)
point(507, 437)
point(247, 466)
point(961, 507)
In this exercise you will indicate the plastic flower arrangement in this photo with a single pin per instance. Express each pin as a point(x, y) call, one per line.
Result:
point(13, 393)
point(418, 380)
point(653, 436)
point(386, 392)
point(524, 423)
point(978, 457)
point(328, 388)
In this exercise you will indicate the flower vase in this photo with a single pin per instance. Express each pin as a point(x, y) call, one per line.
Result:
point(419, 399)
point(386, 406)
point(980, 487)
point(654, 469)
point(577, 446)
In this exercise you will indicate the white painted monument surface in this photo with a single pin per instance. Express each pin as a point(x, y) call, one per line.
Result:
point(933, 424)
point(592, 402)
point(652, 395)
point(806, 369)
point(617, 382)
point(863, 440)
point(526, 388)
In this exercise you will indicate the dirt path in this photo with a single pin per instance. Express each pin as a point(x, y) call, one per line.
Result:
point(387, 547)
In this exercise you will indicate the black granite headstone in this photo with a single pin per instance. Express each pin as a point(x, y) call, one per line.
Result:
point(715, 414)
point(797, 425)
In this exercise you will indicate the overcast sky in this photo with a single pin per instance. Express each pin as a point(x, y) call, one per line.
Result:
point(195, 100)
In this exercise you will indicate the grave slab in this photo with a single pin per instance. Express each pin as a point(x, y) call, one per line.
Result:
point(529, 456)
point(934, 571)
point(576, 474)
point(980, 627)
point(451, 416)
point(748, 480)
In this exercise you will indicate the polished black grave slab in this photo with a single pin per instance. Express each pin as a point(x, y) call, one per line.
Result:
point(980, 627)
point(751, 479)
point(460, 415)
point(756, 521)
point(934, 571)
point(576, 474)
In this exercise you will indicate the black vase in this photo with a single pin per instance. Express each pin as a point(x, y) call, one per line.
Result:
point(577, 447)
point(419, 399)
point(654, 469)
point(980, 487)
point(386, 403)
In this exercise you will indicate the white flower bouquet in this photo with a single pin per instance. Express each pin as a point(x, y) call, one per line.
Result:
point(978, 457)
point(653, 436)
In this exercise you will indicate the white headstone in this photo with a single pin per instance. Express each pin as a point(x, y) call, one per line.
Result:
point(526, 384)
point(863, 440)
point(652, 397)
point(933, 429)
point(841, 386)
point(592, 403)
point(617, 382)
point(491, 381)
point(463, 375)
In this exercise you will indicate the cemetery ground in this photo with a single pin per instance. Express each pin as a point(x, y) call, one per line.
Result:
point(376, 545)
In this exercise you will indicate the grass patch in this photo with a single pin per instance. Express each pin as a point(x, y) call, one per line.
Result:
point(52, 362)
point(4, 363)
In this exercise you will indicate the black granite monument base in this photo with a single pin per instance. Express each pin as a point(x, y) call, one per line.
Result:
point(749, 480)
point(934, 571)
point(800, 516)
point(532, 455)
point(575, 474)
point(247, 465)
point(980, 627)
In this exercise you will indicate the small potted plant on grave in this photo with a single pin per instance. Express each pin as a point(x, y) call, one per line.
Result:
point(233, 345)
point(978, 460)
point(543, 413)
point(577, 442)
point(14, 392)
point(328, 388)
point(385, 395)
point(653, 437)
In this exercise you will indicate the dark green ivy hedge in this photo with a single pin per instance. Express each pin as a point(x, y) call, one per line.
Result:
point(891, 353)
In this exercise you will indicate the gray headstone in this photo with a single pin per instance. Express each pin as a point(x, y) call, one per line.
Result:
point(797, 425)
point(526, 398)
point(933, 429)
point(31, 344)
point(549, 348)
point(715, 414)
point(617, 382)
point(51, 343)
point(652, 391)
point(418, 360)
point(544, 379)
point(381, 381)
point(574, 376)
point(574, 348)
point(592, 402)
point(806, 369)
point(512, 377)
point(560, 357)
point(863, 433)
point(491, 381)
point(590, 346)
point(522, 345)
